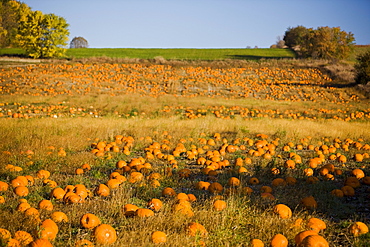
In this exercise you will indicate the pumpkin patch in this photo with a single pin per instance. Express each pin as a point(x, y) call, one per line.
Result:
point(140, 154)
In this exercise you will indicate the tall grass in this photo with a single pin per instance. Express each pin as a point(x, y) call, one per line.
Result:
point(244, 219)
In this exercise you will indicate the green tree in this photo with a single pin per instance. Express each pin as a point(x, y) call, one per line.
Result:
point(11, 13)
point(323, 42)
point(362, 68)
point(79, 42)
point(294, 36)
point(43, 36)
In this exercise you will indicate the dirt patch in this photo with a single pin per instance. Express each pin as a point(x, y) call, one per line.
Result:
point(20, 60)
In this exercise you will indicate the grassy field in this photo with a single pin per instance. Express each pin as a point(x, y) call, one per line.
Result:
point(179, 54)
point(248, 137)
point(182, 54)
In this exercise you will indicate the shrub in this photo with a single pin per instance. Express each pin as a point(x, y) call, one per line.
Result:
point(363, 68)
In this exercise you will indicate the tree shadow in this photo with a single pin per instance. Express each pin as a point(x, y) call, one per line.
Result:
point(10, 55)
point(256, 58)
point(326, 85)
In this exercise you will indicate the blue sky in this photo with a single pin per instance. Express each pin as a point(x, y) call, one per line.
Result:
point(202, 23)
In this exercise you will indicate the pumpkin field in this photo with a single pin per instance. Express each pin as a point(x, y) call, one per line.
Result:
point(266, 153)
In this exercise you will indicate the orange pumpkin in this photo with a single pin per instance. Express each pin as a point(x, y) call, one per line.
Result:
point(46, 205)
point(201, 185)
point(290, 164)
point(21, 191)
point(105, 234)
point(358, 157)
point(234, 182)
point(353, 182)
point(196, 229)
point(268, 196)
point(275, 171)
point(102, 190)
point(81, 191)
point(219, 205)
point(342, 159)
point(23, 206)
point(129, 209)
point(43, 174)
point(266, 189)
point(290, 180)
point(41, 243)
point(312, 180)
point(155, 204)
point(358, 173)
point(158, 237)
point(309, 202)
point(19, 181)
point(314, 241)
point(23, 237)
point(253, 181)
point(348, 190)
point(168, 192)
point(183, 207)
point(89, 221)
point(337, 193)
point(316, 224)
point(79, 171)
point(71, 197)
point(113, 183)
point(182, 196)
point(3, 186)
point(278, 182)
point(136, 177)
point(302, 235)
point(59, 217)
point(192, 197)
point(257, 243)
point(283, 211)
point(57, 193)
point(84, 243)
point(86, 167)
point(144, 212)
point(215, 188)
point(48, 229)
point(32, 212)
point(13, 243)
point(366, 180)
point(297, 223)
point(5, 235)
point(358, 228)
point(279, 240)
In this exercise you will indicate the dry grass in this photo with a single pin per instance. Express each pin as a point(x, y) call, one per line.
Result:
point(228, 227)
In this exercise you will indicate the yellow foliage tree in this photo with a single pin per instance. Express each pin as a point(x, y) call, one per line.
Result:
point(43, 36)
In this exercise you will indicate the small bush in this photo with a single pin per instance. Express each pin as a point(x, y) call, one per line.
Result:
point(363, 68)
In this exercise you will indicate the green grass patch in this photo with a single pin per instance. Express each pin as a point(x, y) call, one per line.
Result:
point(171, 54)
point(11, 52)
point(358, 51)
point(182, 54)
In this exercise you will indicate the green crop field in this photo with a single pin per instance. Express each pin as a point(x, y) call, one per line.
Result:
point(180, 53)
point(183, 54)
